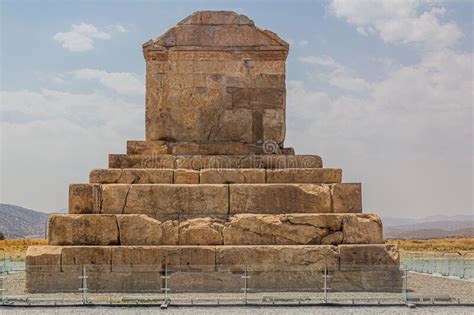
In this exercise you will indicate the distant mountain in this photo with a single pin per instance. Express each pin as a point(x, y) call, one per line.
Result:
point(17, 222)
point(440, 226)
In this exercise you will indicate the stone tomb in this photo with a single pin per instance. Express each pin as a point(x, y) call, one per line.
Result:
point(212, 191)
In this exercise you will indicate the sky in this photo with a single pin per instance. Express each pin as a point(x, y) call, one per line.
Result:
point(381, 89)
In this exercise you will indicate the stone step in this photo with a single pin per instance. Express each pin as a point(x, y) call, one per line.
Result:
point(215, 176)
point(159, 200)
point(208, 268)
point(198, 162)
point(241, 229)
point(194, 148)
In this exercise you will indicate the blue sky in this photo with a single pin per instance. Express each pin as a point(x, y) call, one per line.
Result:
point(382, 89)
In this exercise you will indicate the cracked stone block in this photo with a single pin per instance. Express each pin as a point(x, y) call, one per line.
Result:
point(248, 229)
point(347, 198)
point(187, 89)
point(163, 199)
point(131, 176)
point(217, 148)
point(305, 175)
point(277, 258)
point(198, 162)
point(335, 238)
point(183, 176)
point(98, 258)
point(143, 230)
point(201, 231)
point(280, 198)
point(147, 147)
point(225, 176)
point(362, 229)
point(83, 229)
point(43, 259)
point(368, 257)
point(84, 198)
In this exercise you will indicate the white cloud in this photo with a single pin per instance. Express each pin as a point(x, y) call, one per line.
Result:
point(121, 82)
point(335, 73)
point(81, 37)
point(399, 21)
point(409, 130)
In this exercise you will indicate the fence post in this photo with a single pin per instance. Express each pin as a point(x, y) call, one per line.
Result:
point(3, 278)
point(245, 288)
point(84, 289)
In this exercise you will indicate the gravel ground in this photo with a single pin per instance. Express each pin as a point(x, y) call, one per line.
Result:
point(242, 310)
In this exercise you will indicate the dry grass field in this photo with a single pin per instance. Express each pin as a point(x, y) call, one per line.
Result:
point(16, 249)
point(446, 245)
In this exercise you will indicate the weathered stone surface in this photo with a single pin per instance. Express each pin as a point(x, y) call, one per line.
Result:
point(140, 259)
point(84, 198)
point(347, 198)
point(226, 176)
point(249, 229)
point(368, 257)
point(217, 148)
point(43, 258)
point(210, 87)
point(83, 229)
point(308, 175)
point(201, 231)
point(147, 147)
point(265, 258)
point(131, 176)
point(141, 161)
point(143, 230)
point(93, 257)
point(184, 176)
point(198, 162)
point(362, 229)
point(280, 198)
point(335, 238)
point(163, 199)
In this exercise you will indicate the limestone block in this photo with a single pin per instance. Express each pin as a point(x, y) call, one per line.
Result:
point(163, 199)
point(333, 222)
point(218, 148)
point(305, 175)
point(274, 125)
point(84, 198)
point(131, 176)
point(43, 259)
point(144, 258)
point(335, 238)
point(198, 162)
point(201, 231)
point(141, 161)
point(147, 147)
point(184, 176)
point(362, 229)
point(347, 198)
point(224, 176)
point(143, 230)
point(83, 229)
point(197, 257)
point(368, 257)
point(265, 258)
point(248, 229)
point(235, 125)
point(386, 280)
point(280, 198)
point(97, 258)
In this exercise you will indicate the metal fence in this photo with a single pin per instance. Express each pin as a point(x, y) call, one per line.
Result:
point(459, 265)
point(235, 285)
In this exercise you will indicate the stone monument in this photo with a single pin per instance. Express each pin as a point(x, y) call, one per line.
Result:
point(212, 192)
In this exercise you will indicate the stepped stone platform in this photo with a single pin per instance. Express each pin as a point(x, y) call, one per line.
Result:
point(212, 194)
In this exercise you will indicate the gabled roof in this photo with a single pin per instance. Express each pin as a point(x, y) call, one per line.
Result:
point(217, 30)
